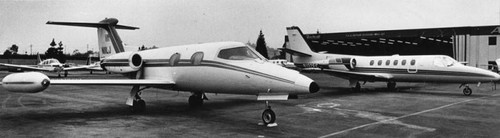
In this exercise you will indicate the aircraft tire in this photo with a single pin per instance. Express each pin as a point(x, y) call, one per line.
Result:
point(467, 91)
point(357, 88)
point(391, 85)
point(138, 106)
point(195, 101)
point(268, 116)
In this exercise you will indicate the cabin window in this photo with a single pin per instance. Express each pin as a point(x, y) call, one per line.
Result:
point(379, 62)
point(395, 62)
point(197, 58)
point(403, 62)
point(372, 62)
point(492, 40)
point(238, 53)
point(387, 62)
point(174, 59)
point(412, 62)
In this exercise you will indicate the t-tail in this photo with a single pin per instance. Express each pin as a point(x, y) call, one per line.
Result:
point(109, 40)
point(297, 43)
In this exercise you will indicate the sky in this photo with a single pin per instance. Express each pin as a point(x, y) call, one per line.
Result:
point(166, 23)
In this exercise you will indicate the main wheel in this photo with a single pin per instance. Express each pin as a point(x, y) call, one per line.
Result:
point(391, 85)
point(268, 116)
point(138, 106)
point(195, 101)
point(357, 88)
point(467, 91)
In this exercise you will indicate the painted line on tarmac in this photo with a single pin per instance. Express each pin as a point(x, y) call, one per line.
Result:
point(4, 103)
point(404, 116)
point(19, 100)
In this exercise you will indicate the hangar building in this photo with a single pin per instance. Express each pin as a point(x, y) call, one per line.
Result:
point(478, 46)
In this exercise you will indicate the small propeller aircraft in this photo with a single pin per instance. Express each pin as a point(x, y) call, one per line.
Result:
point(219, 67)
point(390, 69)
point(52, 65)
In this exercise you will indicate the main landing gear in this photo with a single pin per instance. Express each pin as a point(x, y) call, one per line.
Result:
point(467, 90)
point(136, 103)
point(196, 100)
point(357, 87)
point(391, 85)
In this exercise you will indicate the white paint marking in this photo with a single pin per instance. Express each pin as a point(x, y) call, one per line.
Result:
point(4, 103)
point(404, 116)
point(19, 100)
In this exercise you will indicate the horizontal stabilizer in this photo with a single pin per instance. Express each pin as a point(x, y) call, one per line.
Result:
point(94, 25)
point(293, 52)
point(272, 97)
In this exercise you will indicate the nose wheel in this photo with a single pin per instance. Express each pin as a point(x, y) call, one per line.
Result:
point(467, 91)
point(268, 117)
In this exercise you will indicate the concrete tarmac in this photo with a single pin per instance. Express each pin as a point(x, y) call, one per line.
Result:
point(414, 110)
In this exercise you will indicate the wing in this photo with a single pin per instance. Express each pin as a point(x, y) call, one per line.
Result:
point(359, 75)
point(111, 82)
point(87, 67)
point(25, 67)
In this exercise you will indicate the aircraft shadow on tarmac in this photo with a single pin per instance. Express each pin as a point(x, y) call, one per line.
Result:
point(341, 91)
point(212, 110)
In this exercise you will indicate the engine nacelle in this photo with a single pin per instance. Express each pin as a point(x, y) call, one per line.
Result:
point(123, 63)
point(350, 63)
point(29, 82)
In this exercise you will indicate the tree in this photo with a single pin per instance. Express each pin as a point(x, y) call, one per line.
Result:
point(7, 53)
point(261, 45)
point(13, 49)
point(56, 52)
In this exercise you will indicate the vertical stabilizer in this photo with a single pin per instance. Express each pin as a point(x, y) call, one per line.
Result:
point(108, 39)
point(297, 43)
point(38, 59)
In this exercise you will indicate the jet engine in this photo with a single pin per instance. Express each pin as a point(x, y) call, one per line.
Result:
point(123, 63)
point(350, 63)
point(29, 82)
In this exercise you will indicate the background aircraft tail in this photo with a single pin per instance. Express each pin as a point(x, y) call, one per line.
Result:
point(38, 59)
point(108, 39)
point(297, 43)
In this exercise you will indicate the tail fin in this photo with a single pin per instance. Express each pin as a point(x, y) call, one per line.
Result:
point(106, 34)
point(89, 60)
point(297, 43)
point(38, 59)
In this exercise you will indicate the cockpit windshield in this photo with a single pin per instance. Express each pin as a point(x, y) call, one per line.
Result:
point(238, 53)
point(445, 61)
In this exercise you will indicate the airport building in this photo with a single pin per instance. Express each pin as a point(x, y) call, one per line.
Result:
point(478, 46)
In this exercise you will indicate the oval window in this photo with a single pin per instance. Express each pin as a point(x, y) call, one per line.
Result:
point(403, 62)
point(395, 62)
point(387, 62)
point(174, 59)
point(372, 62)
point(379, 62)
point(412, 62)
point(197, 58)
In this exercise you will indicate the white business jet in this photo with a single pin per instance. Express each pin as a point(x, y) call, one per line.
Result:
point(221, 67)
point(390, 69)
point(51, 65)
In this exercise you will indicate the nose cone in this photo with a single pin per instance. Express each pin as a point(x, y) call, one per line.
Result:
point(495, 76)
point(488, 75)
point(305, 84)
